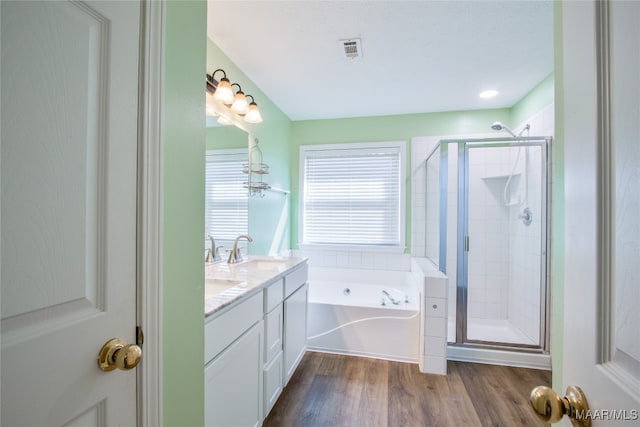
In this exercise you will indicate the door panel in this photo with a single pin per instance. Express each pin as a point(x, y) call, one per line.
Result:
point(53, 169)
point(601, 134)
point(625, 150)
point(69, 155)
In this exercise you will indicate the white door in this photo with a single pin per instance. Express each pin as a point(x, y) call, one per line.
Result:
point(602, 223)
point(69, 87)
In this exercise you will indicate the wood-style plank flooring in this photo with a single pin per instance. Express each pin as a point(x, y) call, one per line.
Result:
point(334, 390)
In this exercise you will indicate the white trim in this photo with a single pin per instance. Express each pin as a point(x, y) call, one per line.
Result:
point(150, 212)
point(352, 146)
point(352, 248)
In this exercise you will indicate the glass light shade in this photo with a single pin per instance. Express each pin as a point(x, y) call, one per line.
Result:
point(240, 104)
point(253, 115)
point(223, 92)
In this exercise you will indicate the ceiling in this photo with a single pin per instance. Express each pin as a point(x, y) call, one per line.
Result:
point(417, 56)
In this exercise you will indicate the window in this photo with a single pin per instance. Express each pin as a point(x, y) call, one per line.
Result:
point(227, 202)
point(353, 194)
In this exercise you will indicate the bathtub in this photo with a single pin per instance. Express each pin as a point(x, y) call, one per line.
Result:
point(348, 313)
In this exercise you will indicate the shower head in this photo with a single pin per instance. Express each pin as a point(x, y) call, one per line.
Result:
point(499, 126)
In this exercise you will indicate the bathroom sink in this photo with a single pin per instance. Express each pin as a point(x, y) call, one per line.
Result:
point(217, 286)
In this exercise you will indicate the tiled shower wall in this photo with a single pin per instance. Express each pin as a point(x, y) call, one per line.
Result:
point(489, 261)
point(524, 309)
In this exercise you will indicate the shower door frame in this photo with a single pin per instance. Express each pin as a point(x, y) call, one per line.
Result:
point(462, 239)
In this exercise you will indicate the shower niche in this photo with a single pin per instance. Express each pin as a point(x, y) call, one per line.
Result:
point(486, 227)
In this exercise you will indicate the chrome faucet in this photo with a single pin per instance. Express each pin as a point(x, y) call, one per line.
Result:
point(392, 299)
point(235, 256)
point(213, 254)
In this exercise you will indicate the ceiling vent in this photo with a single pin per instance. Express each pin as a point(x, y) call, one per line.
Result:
point(351, 48)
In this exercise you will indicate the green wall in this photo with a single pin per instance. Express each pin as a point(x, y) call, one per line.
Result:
point(403, 128)
point(539, 97)
point(183, 213)
point(269, 221)
point(384, 128)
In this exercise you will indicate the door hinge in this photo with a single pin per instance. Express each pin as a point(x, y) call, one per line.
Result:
point(466, 243)
point(139, 336)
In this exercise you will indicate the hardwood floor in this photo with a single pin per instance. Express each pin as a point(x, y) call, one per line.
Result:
point(333, 390)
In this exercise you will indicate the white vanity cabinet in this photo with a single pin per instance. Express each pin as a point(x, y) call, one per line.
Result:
point(285, 323)
point(253, 346)
point(273, 343)
point(295, 320)
point(233, 365)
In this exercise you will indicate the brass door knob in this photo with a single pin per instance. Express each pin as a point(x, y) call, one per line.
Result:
point(118, 354)
point(550, 407)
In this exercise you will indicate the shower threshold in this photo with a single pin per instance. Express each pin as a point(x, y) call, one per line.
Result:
point(495, 356)
point(492, 330)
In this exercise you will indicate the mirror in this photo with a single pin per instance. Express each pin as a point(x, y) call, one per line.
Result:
point(226, 198)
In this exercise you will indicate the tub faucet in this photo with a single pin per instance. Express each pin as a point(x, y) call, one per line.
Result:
point(213, 254)
point(235, 256)
point(392, 299)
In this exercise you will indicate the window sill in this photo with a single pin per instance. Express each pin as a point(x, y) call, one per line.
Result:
point(352, 248)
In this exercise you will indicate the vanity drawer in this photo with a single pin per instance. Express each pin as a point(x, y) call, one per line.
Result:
point(221, 331)
point(273, 295)
point(295, 279)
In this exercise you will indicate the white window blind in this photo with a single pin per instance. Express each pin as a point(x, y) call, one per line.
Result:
point(353, 196)
point(227, 203)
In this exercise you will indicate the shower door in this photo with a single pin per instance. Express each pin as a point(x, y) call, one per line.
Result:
point(502, 243)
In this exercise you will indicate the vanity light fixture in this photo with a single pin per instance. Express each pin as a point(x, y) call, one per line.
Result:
point(222, 92)
point(240, 104)
point(253, 115)
point(222, 89)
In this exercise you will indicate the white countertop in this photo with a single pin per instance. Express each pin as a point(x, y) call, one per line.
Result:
point(227, 283)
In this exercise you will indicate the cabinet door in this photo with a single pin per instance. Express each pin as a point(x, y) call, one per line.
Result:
point(273, 333)
point(272, 383)
point(295, 330)
point(233, 383)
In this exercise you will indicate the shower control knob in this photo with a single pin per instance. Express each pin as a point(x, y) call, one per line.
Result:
point(526, 216)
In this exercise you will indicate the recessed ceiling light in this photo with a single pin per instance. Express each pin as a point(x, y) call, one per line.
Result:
point(488, 93)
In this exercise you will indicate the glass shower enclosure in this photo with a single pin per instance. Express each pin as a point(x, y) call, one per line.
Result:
point(486, 228)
